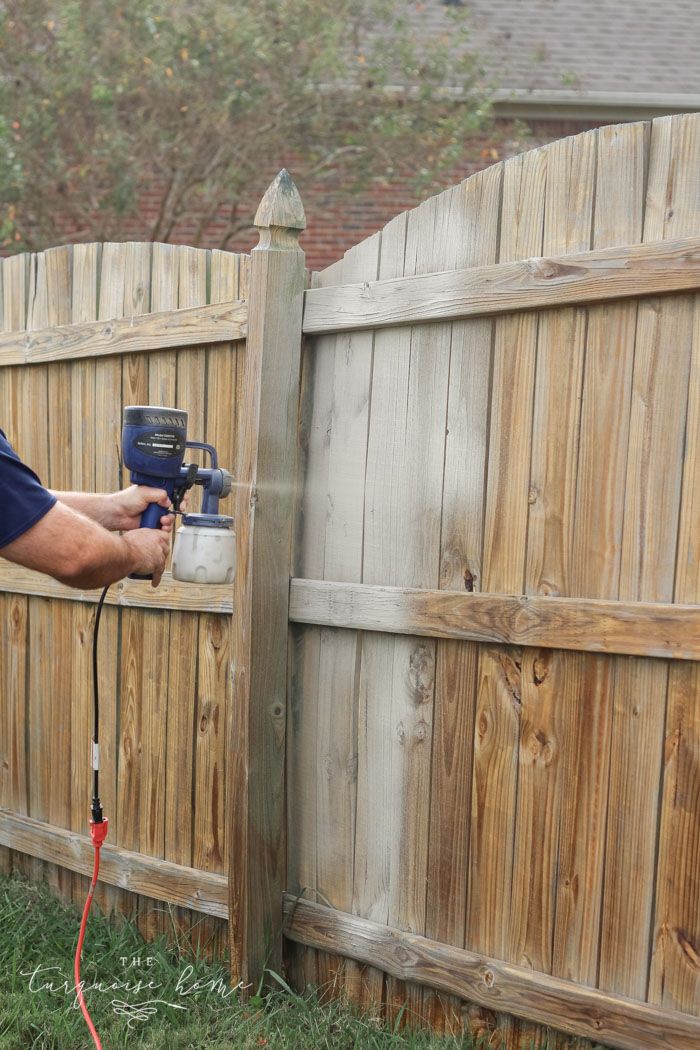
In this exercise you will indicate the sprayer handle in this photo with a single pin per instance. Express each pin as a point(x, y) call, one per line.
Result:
point(150, 519)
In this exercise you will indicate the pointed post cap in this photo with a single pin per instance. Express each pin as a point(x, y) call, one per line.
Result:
point(280, 216)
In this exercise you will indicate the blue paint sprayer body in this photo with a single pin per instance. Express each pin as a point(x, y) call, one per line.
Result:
point(154, 443)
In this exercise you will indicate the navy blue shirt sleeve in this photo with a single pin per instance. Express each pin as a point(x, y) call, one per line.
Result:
point(23, 499)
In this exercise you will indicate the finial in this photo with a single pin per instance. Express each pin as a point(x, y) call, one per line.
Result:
point(280, 216)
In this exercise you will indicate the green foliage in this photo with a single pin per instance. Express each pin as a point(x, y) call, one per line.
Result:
point(199, 103)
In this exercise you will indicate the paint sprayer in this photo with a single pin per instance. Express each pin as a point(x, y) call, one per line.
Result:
point(154, 443)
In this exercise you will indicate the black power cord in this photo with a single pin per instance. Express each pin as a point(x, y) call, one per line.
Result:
point(96, 807)
point(98, 824)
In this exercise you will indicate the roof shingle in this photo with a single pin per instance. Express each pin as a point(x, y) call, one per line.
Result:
point(614, 46)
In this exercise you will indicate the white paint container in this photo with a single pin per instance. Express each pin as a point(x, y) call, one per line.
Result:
point(205, 549)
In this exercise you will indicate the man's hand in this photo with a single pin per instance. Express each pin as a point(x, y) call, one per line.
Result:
point(120, 511)
point(124, 509)
point(150, 549)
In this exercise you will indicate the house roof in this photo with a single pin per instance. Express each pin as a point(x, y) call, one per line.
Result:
point(578, 57)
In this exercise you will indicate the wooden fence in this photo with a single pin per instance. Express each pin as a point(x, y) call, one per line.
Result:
point(87, 329)
point(494, 729)
point(165, 676)
point(467, 777)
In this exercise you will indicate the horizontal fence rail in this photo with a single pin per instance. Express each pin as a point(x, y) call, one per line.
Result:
point(491, 983)
point(587, 624)
point(161, 880)
point(133, 594)
point(165, 330)
point(538, 283)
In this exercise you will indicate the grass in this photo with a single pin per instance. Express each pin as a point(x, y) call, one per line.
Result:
point(192, 1005)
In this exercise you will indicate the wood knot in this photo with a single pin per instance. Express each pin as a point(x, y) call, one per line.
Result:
point(489, 978)
point(483, 724)
point(690, 951)
point(511, 669)
point(421, 730)
point(571, 883)
point(208, 709)
point(541, 666)
point(421, 673)
point(540, 748)
point(551, 269)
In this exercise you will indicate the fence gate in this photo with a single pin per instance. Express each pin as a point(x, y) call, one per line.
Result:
point(494, 722)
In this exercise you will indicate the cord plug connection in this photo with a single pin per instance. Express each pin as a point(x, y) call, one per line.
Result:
point(98, 831)
point(96, 810)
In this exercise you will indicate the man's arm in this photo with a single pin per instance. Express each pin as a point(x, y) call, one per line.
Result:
point(117, 511)
point(79, 552)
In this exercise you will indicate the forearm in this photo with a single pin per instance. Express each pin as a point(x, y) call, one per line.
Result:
point(97, 506)
point(104, 559)
point(74, 549)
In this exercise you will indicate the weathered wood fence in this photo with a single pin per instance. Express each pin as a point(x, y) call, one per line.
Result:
point(494, 729)
point(165, 669)
point(489, 807)
point(87, 329)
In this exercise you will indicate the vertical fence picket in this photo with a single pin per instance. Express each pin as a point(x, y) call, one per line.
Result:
point(108, 382)
point(86, 267)
point(466, 235)
point(336, 727)
point(34, 442)
point(549, 681)
point(15, 607)
point(497, 727)
point(595, 565)
point(675, 977)
point(184, 627)
point(376, 825)
point(649, 540)
point(161, 391)
point(57, 275)
point(213, 712)
point(303, 688)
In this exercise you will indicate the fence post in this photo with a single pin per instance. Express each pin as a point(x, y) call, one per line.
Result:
point(266, 469)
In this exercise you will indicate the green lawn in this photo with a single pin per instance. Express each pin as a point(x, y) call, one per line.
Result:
point(191, 1003)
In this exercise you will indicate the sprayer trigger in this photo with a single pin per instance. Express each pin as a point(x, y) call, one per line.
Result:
point(95, 755)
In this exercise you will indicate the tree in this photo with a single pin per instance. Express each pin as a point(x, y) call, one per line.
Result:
point(195, 104)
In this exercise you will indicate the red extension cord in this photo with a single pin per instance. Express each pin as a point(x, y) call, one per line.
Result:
point(98, 833)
